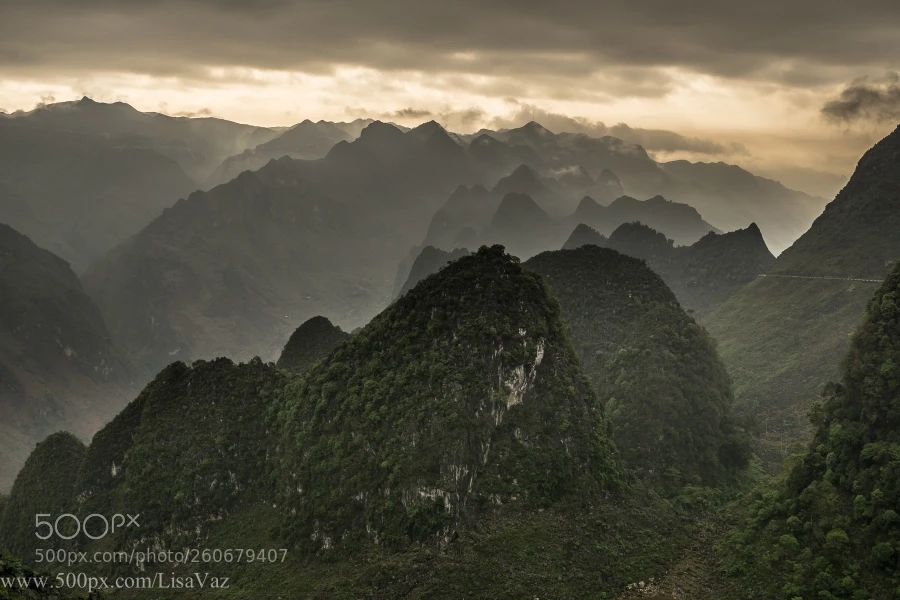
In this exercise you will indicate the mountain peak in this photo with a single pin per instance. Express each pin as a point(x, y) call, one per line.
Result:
point(380, 130)
point(309, 343)
point(608, 177)
point(517, 203)
point(483, 436)
point(584, 235)
point(536, 129)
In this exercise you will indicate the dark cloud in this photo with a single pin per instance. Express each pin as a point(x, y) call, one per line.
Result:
point(799, 41)
point(867, 99)
point(654, 140)
point(409, 113)
point(45, 100)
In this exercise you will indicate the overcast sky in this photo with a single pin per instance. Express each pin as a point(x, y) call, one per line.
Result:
point(794, 89)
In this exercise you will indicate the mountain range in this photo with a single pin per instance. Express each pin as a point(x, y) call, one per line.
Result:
point(783, 335)
point(702, 275)
point(426, 453)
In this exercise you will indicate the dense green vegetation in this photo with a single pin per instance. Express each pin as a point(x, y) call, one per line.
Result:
point(781, 340)
point(189, 450)
point(567, 550)
point(450, 448)
point(830, 528)
point(666, 392)
point(45, 485)
point(310, 343)
point(12, 567)
point(463, 395)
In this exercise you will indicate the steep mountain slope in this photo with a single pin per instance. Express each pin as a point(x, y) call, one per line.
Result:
point(430, 260)
point(487, 406)
point(546, 191)
point(227, 272)
point(665, 390)
point(830, 528)
point(856, 235)
point(187, 452)
point(310, 343)
point(680, 222)
point(57, 364)
point(639, 173)
point(44, 486)
point(497, 158)
point(782, 337)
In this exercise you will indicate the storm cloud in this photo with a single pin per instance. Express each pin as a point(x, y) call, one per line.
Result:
point(797, 42)
point(867, 99)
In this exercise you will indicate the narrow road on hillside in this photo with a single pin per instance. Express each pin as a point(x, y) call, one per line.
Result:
point(829, 278)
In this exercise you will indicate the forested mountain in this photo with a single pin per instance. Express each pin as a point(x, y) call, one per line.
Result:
point(457, 416)
point(782, 336)
point(47, 484)
point(829, 529)
point(310, 343)
point(447, 388)
point(664, 387)
point(58, 366)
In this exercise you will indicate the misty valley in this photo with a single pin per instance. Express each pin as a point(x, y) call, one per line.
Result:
point(368, 360)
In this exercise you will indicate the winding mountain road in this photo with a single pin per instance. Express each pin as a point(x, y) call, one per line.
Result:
point(814, 277)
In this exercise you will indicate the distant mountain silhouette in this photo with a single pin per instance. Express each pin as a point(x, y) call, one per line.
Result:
point(583, 235)
point(475, 210)
point(702, 275)
point(231, 271)
point(726, 195)
point(305, 140)
point(429, 260)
